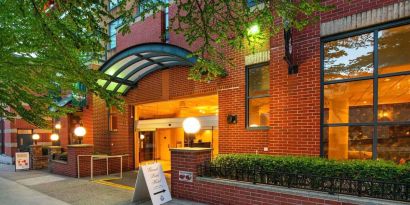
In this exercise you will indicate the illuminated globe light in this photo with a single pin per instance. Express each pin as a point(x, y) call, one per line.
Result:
point(35, 137)
point(54, 137)
point(191, 125)
point(58, 126)
point(80, 131)
point(253, 30)
point(142, 136)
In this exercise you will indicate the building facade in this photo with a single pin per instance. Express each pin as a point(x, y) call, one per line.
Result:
point(348, 99)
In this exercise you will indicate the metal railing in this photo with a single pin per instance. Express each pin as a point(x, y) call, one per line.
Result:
point(332, 185)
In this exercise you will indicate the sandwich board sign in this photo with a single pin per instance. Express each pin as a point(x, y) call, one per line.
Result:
point(22, 161)
point(151, 183)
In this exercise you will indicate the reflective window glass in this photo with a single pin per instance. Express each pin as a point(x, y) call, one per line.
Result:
point(112, 32)
point(258, 112)
point(393, 143)
point(258, 81)
point(348, 142)
point(394, 49)
point(394, 98)
point(349, 57)
point(349, 102)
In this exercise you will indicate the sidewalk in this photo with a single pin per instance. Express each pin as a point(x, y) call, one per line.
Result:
point(41, 187)
point(12, 193)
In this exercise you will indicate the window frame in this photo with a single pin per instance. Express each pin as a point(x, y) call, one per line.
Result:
point(111, 35)
point(374, 77)
point(115, 6)
point(247, 98)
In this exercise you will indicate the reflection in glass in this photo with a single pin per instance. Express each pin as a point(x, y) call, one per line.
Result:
point(258, 81)
point(393, 143)
point(349, 102)
point(258, 112)
point(394, 98)
point(394, 49)
point(354, 142)
point(349, 57)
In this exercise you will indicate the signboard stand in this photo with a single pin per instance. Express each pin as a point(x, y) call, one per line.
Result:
point(151, 184)
point(22, 161)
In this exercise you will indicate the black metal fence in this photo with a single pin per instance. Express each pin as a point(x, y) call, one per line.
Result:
point(332, 185)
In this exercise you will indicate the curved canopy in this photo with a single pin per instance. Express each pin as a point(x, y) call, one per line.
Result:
point(129, 66)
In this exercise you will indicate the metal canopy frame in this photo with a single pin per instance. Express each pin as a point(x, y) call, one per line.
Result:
point(129, 66)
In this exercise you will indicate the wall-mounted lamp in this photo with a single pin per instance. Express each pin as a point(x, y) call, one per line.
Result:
point(35, 138)
point(232, 119)
point(293, 68)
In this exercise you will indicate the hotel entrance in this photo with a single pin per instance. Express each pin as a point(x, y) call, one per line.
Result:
point(159, 127)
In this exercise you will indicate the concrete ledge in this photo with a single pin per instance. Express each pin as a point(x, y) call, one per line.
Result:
point(80, 145)
point(396, 11)
point(59, 161)
point(301, 192)
point(190, 149)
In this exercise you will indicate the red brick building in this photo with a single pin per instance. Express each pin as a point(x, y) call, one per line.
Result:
point(348, 99)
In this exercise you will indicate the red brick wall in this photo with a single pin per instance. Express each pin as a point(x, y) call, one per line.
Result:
point(295, 99)
point(212, 193)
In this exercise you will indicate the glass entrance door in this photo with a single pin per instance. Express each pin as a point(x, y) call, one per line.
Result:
point(146, 145)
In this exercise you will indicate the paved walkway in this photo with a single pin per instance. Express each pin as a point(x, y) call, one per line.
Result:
point(12, 193)
point(40, 187)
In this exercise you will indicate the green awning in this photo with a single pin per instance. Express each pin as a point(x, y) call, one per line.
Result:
point(129, 66)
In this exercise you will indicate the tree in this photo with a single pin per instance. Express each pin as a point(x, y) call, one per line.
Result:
point(45, 49)
point(46, 45)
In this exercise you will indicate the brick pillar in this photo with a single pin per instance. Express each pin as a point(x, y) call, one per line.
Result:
point(37, 160)
point(187, 159)
point(79, 149)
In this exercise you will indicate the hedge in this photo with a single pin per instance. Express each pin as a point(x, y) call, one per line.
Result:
point(353, 169)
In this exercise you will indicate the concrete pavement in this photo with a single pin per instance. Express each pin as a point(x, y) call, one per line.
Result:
point(12, 193)
point(40, 187)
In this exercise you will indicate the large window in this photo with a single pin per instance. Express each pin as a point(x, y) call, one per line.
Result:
point(257, 96)
point(112, 32)
point(366, 94)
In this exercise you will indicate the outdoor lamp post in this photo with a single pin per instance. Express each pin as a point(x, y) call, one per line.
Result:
point(54, 138)
point(191, 126)
point(80, 133)
point(58, 126)
point(35, 138)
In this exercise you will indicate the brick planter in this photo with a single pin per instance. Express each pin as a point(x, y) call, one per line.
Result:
point(69, 167)
point(220, 191)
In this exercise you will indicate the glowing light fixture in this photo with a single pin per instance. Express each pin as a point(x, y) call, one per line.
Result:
point(35, 137)
point(54, 137)
point(191, 125)
point(142, 137)
point(253, 30)
point(57, 126)
point(80, 132)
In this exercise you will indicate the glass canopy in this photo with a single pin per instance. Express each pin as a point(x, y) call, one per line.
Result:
point(129, 66)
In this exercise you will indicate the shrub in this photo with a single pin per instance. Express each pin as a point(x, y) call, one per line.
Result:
point(353, 169)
